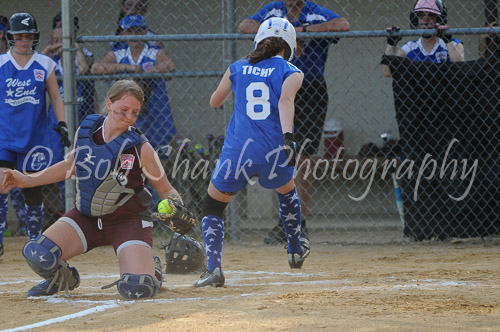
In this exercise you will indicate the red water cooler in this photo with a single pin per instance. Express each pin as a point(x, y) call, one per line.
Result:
point(333, 134)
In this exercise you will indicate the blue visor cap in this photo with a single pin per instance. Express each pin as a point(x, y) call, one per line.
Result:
point(132, 21)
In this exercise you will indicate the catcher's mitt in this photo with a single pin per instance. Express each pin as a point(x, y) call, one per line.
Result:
point(181, 220)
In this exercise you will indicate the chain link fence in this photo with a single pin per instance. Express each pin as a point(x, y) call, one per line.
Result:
point(352, 198)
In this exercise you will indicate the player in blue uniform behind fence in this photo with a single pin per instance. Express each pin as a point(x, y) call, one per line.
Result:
point(26, 77)
point(439, 48)
point(111, 160)
point(259, 141)
point(157, 121)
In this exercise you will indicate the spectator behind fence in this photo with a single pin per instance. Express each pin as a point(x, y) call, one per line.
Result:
point(440, 48)
point(98, 218)
point(311, 103)
point(141, 57)
point(132, 7)
point(83, 61)
point(24, 129)
point(86, 88)
point(488, 42)
point(257, 129)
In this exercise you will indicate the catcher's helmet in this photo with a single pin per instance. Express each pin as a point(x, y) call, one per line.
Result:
point(184, 254)
point(22, 23)
point(277, 27)
point(432, 6)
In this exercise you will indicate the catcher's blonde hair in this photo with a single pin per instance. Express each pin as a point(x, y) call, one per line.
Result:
point(124, 87)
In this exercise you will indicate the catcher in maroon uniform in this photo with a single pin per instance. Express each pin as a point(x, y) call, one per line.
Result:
point(111, 160)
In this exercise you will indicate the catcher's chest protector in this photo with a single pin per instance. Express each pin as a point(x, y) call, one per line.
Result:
point(99, 184)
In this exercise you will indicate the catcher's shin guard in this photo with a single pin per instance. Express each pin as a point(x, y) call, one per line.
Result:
point(136, 286)
point(42, 255)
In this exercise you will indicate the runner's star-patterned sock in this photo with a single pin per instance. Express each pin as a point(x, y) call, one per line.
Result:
point(289, 205)
point(213, 235)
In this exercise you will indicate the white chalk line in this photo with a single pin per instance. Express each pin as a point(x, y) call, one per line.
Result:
point(63, 318)
point(233, 282)
point(12, 282)
point(270, 275)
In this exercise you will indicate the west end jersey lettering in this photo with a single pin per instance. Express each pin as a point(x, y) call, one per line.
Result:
point(17, 82)
point(262, 72)
point(19, 85)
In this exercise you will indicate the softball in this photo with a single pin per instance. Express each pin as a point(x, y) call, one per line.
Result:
point(164, 207)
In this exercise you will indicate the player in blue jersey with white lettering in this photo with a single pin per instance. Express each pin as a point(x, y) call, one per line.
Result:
point(111, 160)
point(311, 103)
point(157, 122)
point(24, 130)
point(259, 142)
point(440, 48)
point(16, 196)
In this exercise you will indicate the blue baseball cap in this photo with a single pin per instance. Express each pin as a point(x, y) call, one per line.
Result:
point(132, 21)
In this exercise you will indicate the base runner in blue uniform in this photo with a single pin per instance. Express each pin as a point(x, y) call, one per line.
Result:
point(111, 160)
point(259, 141)
point(26, 77)
point(311, 102)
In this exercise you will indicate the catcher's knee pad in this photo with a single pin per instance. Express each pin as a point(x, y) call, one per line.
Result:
point(33, 196)
point(212, 207)
point(42, 255)
point(137, 286)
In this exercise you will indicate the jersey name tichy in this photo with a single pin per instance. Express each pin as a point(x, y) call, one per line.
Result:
point(262, 72)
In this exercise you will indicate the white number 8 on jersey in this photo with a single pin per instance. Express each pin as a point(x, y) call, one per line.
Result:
point(253, 101)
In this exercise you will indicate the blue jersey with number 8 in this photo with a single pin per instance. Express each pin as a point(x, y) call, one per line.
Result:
point(255, 129)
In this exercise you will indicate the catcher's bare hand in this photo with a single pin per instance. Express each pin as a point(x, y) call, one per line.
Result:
point(181, 220)
point(13, 179)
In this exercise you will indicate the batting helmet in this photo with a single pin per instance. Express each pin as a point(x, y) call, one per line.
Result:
point(431, 6)
point(22, 23)
point(184, 255)
point(277, 27)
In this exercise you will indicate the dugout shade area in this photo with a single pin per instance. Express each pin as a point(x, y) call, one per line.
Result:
point(452, 107)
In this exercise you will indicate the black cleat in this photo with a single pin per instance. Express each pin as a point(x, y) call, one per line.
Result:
point(214, 279)
point(296, 260)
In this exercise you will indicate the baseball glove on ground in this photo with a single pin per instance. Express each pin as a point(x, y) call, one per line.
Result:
point(181, 220)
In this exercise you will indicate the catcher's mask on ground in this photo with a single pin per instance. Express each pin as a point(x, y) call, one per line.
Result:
point(184, 254)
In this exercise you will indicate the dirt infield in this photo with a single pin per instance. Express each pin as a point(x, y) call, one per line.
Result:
point(412, 287)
